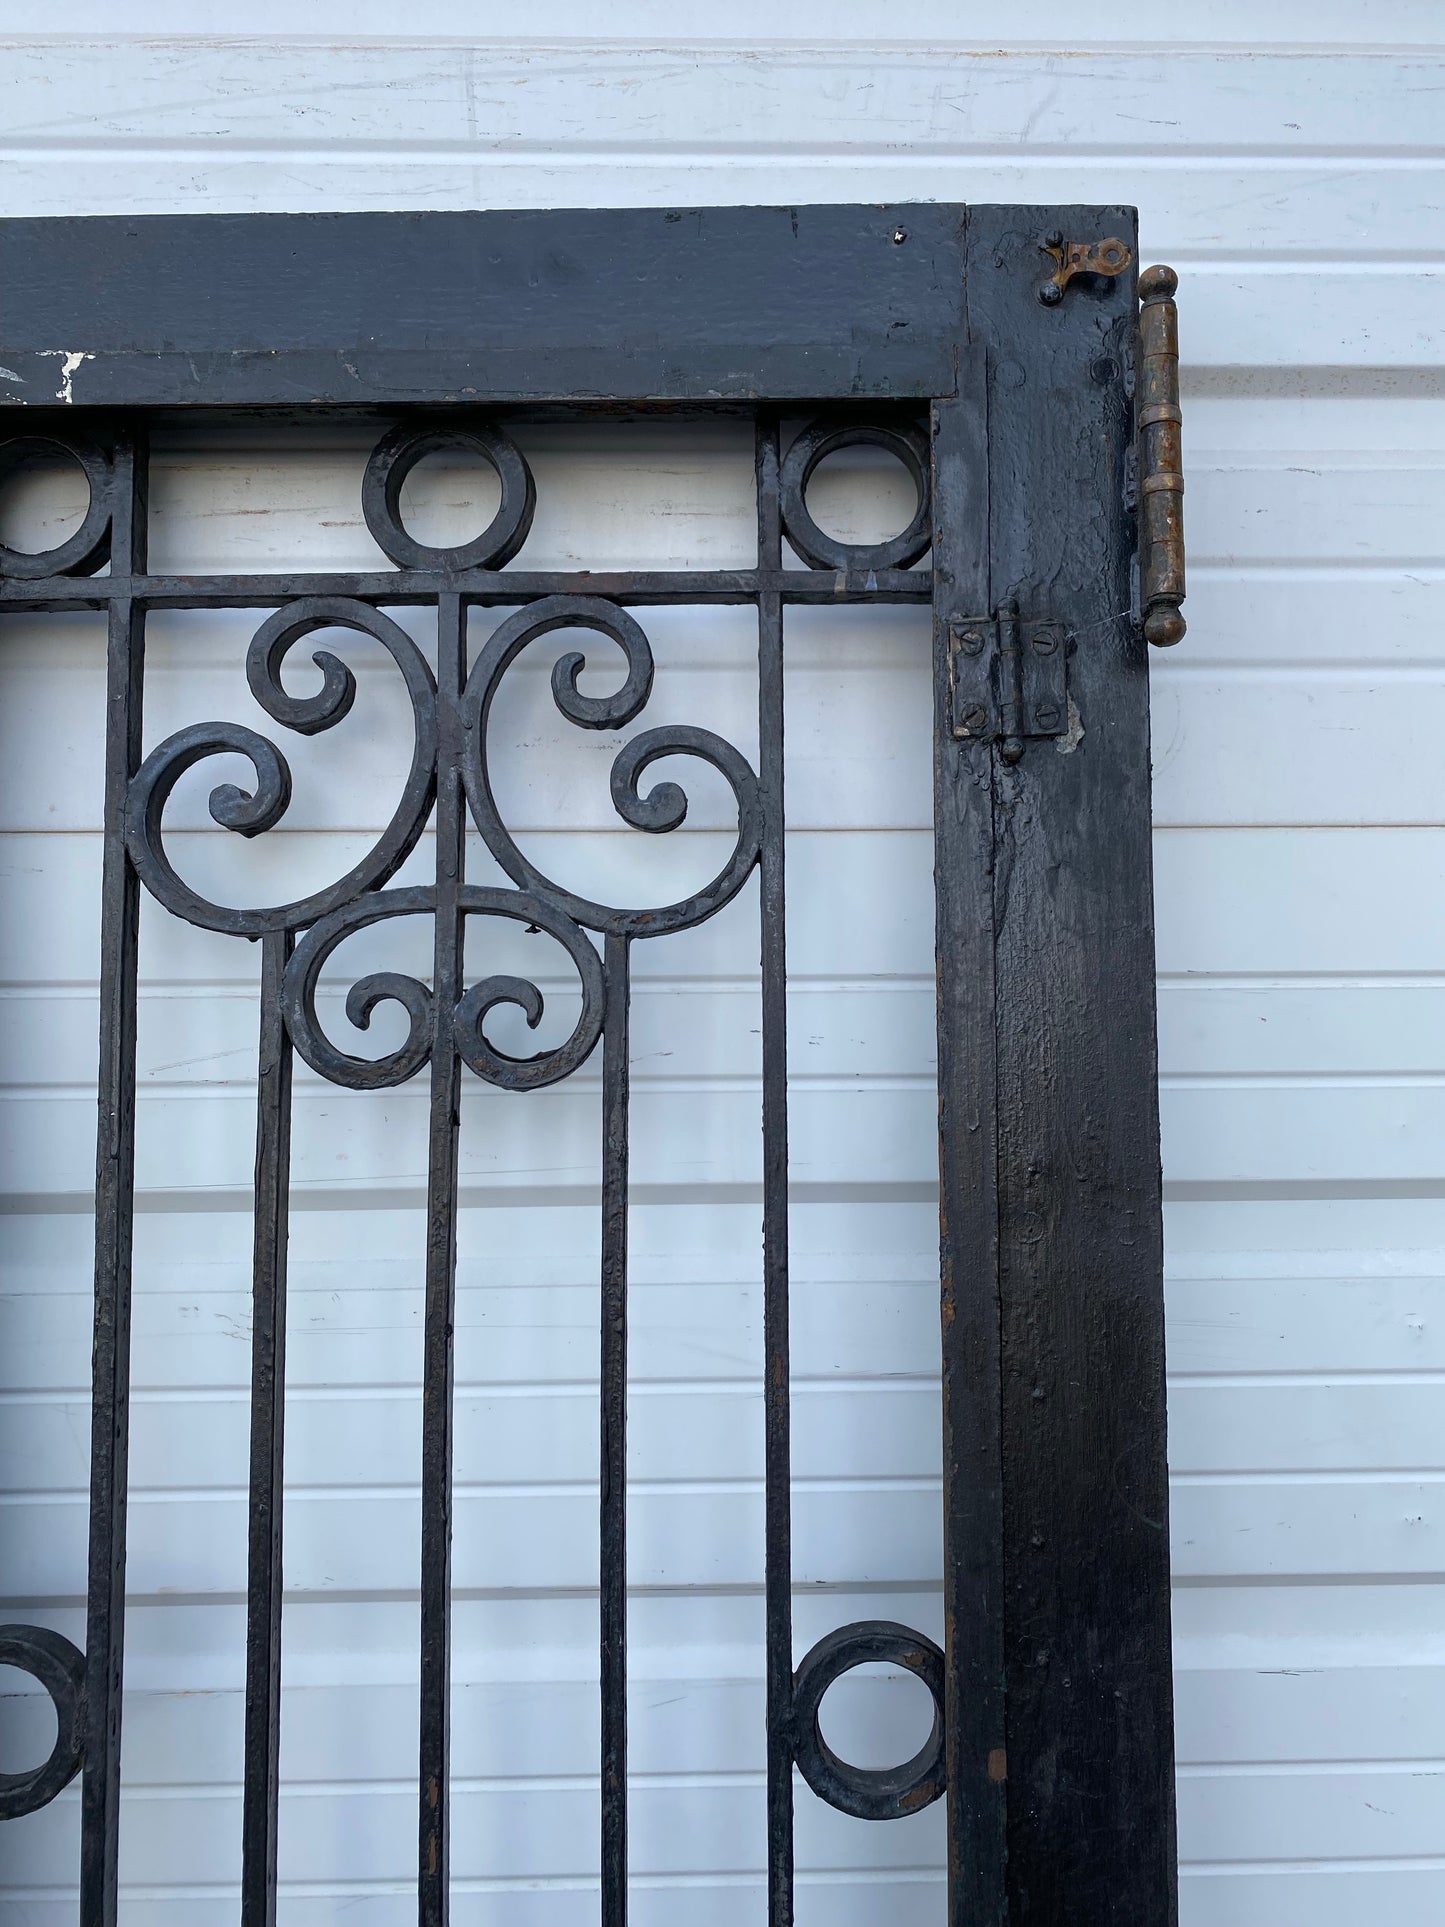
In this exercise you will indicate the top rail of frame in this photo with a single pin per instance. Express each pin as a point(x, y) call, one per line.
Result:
point(667, 305)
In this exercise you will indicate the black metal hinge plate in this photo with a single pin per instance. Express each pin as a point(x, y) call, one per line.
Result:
point(1008, 679)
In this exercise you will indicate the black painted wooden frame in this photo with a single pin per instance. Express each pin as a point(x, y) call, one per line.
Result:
point(921, 325)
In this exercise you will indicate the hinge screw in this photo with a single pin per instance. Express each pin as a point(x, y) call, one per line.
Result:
point(971, 642)
point(973, 717)
point(1045, 642)
point(1046, 716)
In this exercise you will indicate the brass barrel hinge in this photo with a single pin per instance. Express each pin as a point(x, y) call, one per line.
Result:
point(1160, 459)
point(1007, 679)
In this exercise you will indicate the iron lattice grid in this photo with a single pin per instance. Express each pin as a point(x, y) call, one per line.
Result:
point(448, 784)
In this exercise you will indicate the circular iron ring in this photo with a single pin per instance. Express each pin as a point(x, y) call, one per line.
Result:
point(868, 1793)
point(60, 1668)
point(822, 551)
point(393, 459)
point(85, 551)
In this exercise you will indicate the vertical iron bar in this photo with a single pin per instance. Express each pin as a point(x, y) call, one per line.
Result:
point(613, 1493)
point(268, 1415)
point(778, 1582)
point(441, 1276)
point(973, 1548)
point(114, 1206)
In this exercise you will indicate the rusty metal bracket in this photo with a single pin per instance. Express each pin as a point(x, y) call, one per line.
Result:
point(1008, 679)
point(1161, 463)
point(1108, 258)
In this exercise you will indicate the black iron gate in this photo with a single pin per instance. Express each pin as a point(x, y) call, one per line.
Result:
point(994, 353)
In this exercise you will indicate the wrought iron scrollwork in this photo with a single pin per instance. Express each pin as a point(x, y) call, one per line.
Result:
point(352, 901)
point(662, 809)
point(59, 1666)
point(298, 1000)
point(450, 781)
point(249, 814)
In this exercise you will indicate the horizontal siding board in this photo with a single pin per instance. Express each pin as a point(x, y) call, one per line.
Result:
point(1374, 1716)
point(197, 1333)
point(1264, 901)
point(867, 25)
point(1216, 763)
point(1327, 1896)
point(1218, 1131)
point(547, 1437)
point(192, 1320)
point(697, 1031)
point(526, 1539)
point(854, 1431)
point(511, 1834)
point(724, 1899)
point(491, 97)
point(519, 1540)
point(649, 497)
point(1253, 901)
point(877, 1136)
point(1323, 1893)
point(708, 1900)
point(361, 1833)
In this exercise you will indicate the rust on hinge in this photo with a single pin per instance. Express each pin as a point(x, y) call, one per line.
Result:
point(1108, 257)
point(1161, 460)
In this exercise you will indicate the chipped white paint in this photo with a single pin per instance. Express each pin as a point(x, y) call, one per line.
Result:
point(1290, 168)
point(1074, 734)
point(70, 360)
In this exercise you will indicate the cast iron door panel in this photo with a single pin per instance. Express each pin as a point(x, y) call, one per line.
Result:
point(993, 353)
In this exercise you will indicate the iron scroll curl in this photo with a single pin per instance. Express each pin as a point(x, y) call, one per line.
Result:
point(250, 814)
point(298, 996)
point(664, 807)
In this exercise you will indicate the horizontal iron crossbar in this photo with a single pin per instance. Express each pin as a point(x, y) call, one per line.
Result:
point(481, 587)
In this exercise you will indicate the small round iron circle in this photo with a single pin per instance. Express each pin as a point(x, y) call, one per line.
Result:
point(85, 551)
point(822, 551)
point(50, 1658)
point(868, 1793)
point(393, 459)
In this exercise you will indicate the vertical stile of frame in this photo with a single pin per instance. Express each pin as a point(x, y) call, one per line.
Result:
point(114, 1199)
point(612, 1538)
point(441, 1274)
point(1085, 1614)
point(268, 1410)
point(778, 1582)
point(973, 1551)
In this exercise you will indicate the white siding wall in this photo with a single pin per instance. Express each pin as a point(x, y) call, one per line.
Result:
point(1292, 171)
